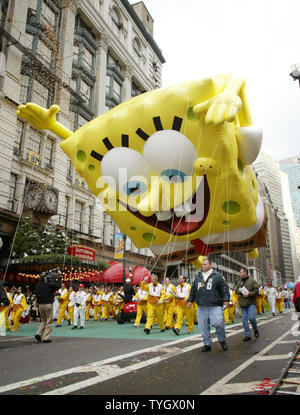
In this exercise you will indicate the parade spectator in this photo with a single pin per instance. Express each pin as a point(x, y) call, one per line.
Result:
point(156, 296)
point(248, 289)
point(286, 298)
point(44, 292)
point(210, 291)
point(34, 309)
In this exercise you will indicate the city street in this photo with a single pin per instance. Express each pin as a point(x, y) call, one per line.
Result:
point(110, 359)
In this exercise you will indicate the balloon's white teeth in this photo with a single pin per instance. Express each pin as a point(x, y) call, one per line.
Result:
point(192, 209)
point(163, 215)
point(184, 210)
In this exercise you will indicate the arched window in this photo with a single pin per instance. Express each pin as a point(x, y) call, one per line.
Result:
point(116, 20)
point(137, 50)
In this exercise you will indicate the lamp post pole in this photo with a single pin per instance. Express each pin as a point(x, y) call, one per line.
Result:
point(124, 260)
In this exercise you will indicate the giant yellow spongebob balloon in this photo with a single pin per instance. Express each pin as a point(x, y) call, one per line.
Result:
point(172, 167)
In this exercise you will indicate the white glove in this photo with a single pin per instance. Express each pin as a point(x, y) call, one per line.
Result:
point(159, 302)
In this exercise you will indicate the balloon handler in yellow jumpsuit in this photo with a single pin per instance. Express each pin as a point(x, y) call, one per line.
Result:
point(63, 305)
point(19, 305)
point(182, 311)
point(141, 297)
point(229, 311)
point(156, 296)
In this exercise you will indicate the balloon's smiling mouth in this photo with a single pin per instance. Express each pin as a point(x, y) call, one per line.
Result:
point(181, 220)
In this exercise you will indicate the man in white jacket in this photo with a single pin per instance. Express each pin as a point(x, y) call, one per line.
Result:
point(271, 293)
point(80, 307)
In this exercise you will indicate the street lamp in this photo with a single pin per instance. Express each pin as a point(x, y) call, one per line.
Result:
point(124, 260)
point(295, 74)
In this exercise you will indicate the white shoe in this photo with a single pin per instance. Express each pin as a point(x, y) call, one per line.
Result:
point(135, 326)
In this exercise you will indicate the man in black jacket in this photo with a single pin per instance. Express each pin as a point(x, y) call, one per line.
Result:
point(128, 291)
point(210, 291)
point(44, 292)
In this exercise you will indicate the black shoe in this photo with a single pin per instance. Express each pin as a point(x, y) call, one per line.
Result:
point(206, 348)
point(58, 325)
point(47, 341)
point(147, 331)
point(69, 322)
point(74, 327)
point(167, 328)
point(176, 331)
point(38, 337)
point(246, 339)
point(224, 346)
point(256, 333)
point(162, 330)
point(81, 327)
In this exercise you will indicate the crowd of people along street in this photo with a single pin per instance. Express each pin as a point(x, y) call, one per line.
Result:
point(168, 305)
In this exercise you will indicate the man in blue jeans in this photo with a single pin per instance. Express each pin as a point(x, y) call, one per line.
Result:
point(247, 289)
point(211, 293)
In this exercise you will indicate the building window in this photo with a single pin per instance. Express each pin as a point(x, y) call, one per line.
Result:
point(44, 52)
point(69, 171)
point(137, 50)
point(135, 89)
point(24, 79)
point(116, 21)
point(40, 94)
point(11, 203)
point(48, 153)
point(67, 204)
point(43, 19)
point(48, 15)
point(87, 57)
point(83, 71)
point(114, 82)
point(34, 140)
point(78, 216)
point(18, 138)
point(86, 92)
point(91, 212)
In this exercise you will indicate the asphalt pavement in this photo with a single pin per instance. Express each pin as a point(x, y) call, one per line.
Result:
point(108, 359)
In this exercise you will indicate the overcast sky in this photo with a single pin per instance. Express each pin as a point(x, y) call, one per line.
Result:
point(258, 40)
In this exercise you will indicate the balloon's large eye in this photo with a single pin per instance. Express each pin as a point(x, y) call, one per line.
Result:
point(127, 169)
point(171, 155)
point(173, 176)
point(135, 187)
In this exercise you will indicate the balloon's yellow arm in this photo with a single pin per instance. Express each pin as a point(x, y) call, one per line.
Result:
point(226, 106)
point(43, 119)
